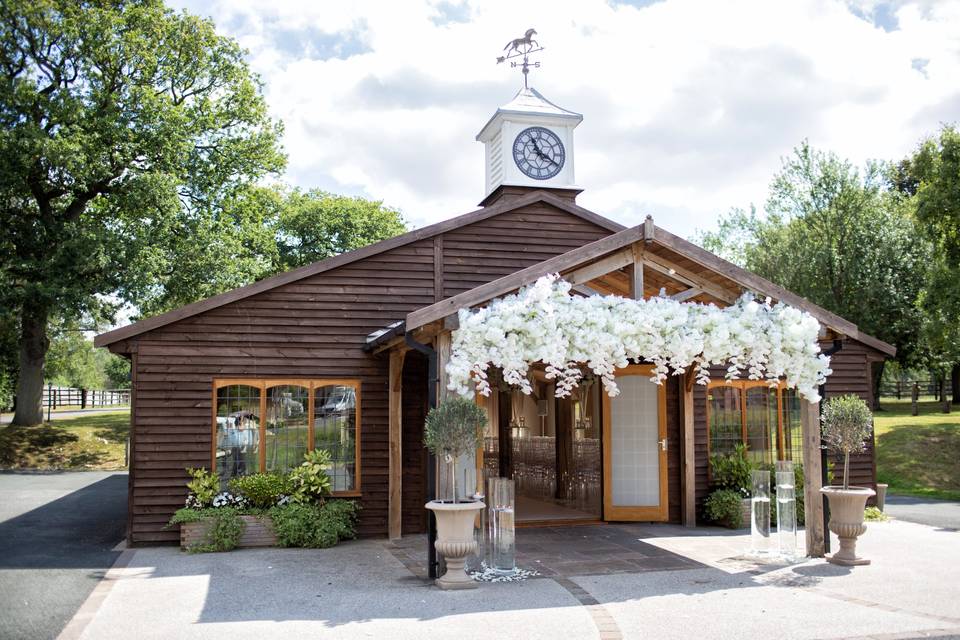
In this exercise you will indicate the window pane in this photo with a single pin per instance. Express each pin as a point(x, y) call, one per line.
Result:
point(762, 424)
point(286, 435)
point(335, 429)
point(725, 419)
point(238, 431)
point(791, 426)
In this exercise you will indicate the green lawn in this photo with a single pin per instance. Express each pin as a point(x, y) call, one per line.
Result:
point(94, 442)
point(918, 455)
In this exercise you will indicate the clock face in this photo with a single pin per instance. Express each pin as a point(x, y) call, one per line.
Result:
point(539, 153)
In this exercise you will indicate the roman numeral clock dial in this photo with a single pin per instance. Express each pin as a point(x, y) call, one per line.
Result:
point(538, 153)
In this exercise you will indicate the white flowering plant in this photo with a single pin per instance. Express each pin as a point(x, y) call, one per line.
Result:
point(545, 323)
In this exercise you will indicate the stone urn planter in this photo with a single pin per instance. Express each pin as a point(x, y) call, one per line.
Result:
point(455, 540)
point(257, 532)
point(846, 520)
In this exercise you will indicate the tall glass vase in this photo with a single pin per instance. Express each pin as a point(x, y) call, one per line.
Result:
point(786, 511)
point(502, 548)
point(760, 513)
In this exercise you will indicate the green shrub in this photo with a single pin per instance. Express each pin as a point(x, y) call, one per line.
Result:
point(452, 429)
point(262, 490)
point(846, 423)
point(223, 535)
point(731, 471)
point(873, 514)
point(309, 482)
point(203, 486)
point(314, 525)
point(725, 507)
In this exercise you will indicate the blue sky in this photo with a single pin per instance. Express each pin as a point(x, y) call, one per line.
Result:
point(688, 106)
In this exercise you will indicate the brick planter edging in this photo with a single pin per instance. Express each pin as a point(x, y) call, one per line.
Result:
point(257, 532)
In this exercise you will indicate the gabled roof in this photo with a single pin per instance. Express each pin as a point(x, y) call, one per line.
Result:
point(613, 252)
point(163, 319)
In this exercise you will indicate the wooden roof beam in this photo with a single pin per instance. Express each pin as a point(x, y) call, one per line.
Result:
point(657, 263)
point(683, 296)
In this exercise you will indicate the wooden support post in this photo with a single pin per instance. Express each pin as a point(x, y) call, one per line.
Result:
point(563, 445)
point(443, 346)
point(812, 499)
point(636, 272)
point(689, 481)
point(504, 435)
point(395, 431)
point(914, 397)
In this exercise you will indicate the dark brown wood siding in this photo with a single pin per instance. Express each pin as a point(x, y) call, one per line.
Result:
point(315, 328)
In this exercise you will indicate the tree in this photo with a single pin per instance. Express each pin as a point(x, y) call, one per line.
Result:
point(314, 225)
point(844, 240)
point(931, 179)
point(125, 126)
point(72, 359)
point(266, 230)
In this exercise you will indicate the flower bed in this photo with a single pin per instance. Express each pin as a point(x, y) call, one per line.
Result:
point(261, 510)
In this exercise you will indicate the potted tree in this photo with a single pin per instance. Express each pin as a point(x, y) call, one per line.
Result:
point(455, 428)
point(846, 424)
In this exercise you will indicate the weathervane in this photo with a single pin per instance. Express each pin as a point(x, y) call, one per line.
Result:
point(522, 48)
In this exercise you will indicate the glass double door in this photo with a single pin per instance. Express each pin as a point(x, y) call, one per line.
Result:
point(635, 448)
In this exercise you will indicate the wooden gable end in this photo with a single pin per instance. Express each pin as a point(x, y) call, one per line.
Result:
point(313, 327)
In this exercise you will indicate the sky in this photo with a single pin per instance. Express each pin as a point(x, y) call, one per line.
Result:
point(689, 107)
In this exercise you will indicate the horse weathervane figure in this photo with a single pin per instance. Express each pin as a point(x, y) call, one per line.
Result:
point(522, 48)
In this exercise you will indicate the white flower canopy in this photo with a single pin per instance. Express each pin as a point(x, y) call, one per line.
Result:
point(543, 322)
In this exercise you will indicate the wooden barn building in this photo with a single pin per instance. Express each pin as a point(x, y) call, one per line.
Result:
point(347, 354)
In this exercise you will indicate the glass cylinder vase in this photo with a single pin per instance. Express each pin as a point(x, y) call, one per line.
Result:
point(787, 514)
point(502, 548)
point(760, 512)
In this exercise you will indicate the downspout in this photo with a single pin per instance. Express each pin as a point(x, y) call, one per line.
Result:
point(837, 346)
point(431, 355)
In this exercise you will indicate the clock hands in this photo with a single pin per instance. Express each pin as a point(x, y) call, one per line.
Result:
point(540, 152)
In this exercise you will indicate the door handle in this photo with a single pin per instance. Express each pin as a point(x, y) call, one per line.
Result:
point(663, 444)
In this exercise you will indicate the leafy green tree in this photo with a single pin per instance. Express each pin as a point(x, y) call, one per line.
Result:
point(71, 359)
point(265, 230)
point(314, 225)
point(840, 238)
point(125, 127)
point(931, 178)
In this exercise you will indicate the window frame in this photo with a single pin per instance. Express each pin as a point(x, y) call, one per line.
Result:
point(743, 385)
point(311, 384)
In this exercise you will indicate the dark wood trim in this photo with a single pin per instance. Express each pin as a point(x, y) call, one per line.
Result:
point(438, 268)
point(131, 464)
point(287, 277)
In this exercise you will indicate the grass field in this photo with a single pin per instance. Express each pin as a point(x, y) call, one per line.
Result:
point(94, 442)
point(918, 455)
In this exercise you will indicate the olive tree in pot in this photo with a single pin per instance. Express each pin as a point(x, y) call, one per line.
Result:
point(846, 424)
point(455, 428)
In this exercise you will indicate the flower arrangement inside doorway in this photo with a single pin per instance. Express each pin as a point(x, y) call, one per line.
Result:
point(263, 509)
point(545, 323)
point(846, 425)
point(452, 429)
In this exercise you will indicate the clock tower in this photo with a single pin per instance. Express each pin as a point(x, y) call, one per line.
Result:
point(528, 145)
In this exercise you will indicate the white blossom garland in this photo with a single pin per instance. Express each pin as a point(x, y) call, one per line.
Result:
point(544, 323)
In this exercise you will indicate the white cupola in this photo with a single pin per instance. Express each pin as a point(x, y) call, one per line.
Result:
point(529, 143)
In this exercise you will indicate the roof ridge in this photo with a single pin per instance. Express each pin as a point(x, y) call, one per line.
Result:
point(342, 259)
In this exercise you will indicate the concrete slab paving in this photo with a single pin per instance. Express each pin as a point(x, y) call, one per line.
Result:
point(355, 590)
point(362, 590)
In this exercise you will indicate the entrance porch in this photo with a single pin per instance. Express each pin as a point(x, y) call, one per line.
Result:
point(641, 455)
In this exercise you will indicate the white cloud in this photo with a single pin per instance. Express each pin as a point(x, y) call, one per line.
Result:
point(688, 106)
